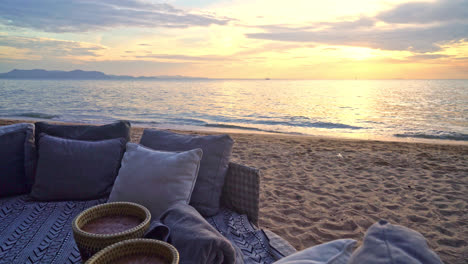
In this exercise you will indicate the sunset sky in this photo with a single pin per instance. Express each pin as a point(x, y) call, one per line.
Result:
point(294, 39)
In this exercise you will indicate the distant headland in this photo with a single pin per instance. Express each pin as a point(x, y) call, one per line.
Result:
point(83, 75)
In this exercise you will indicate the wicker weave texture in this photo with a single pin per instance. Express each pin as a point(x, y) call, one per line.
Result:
point(241, 191)
point(132, 247)
point(89, 243)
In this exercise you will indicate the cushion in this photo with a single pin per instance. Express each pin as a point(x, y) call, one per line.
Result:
point(156, 179)
point(69, 169)
point(17, 158)
point(385, 242)
point(120, 129)
point(213, 167)
point(195, 239)
point(334, 252)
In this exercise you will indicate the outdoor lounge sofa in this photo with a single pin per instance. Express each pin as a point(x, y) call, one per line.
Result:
point(34, 231)
point(37, 229)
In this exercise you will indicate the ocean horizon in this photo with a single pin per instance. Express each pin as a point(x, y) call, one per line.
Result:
point(396, 109)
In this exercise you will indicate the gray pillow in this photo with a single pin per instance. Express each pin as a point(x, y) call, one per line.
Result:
point(119, 129)
point(197, 240)
point(156, 179)
point(386, 243)
point(16, 158)
point(69, 169)
point(213, 167)
point(333, 252)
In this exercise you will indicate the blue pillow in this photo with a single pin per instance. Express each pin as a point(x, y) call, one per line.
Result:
point(333, 252)
point(217, 149)
point(120, 129)
point(69, 169)
point(16, 158)
point(386, 243)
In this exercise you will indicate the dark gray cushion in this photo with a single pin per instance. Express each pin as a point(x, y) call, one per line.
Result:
point(195, 239)
point(16, 158)
point(69, 169)
point(386, 243)
point(213, 166)
point(333, 252)
point(120, 129)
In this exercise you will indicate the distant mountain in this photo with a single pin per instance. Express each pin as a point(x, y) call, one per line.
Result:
point(82, 75)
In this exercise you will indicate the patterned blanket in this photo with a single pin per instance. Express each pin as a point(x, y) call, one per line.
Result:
point(40, 232)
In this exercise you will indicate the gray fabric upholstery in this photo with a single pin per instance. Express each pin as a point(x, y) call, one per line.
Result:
point(213, 166)
point(251, 243)
point(333, 252)
point(120, 129)
point(40, 232)
point(241, 191)
point(156, 179)
point(195, 239)
point(386, 243)
point(70, 169)
point(279, 244)
point(383, 243)
point(16, 158)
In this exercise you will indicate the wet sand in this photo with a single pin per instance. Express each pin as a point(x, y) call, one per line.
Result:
point(315, 190)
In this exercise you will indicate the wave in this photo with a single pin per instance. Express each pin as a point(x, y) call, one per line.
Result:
point(38, 115)
point(250, 128)
point(143, 122)
point(333, 125)
point(189, 121)
point(438, 135)
point(299, 121)
point(291, 121)
point(235, 127)
point(260, 125)
point(242, 128)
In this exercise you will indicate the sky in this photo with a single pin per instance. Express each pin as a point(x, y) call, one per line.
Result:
point(293, 39)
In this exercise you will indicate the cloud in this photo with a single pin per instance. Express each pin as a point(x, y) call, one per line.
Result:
point(271, 47)
point(245, 53)
point(50, 47)
point(434, 26)
point(427, 56)
point(414, 39)
point(421, 13)
point(86, 15)
point(183, 57)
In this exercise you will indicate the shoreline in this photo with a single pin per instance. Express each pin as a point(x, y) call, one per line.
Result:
point(316, 189)
point(224, 130)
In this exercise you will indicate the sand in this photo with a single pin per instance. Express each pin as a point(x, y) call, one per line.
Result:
point(314, 190)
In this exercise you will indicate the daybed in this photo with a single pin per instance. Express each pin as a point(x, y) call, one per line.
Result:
point(36, 216)
point(34, 231)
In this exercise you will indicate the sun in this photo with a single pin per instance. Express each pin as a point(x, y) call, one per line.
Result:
point(357, 53)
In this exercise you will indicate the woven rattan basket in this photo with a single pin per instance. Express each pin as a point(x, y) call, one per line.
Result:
point(133, 247)
point(89, 243)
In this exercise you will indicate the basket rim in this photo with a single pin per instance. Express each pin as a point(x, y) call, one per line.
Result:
point(103, 251)
point(83, 233)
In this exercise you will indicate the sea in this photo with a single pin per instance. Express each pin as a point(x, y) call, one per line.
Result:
point(401, 110)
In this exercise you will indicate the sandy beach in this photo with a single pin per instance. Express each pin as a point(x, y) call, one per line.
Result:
point(315, 190)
